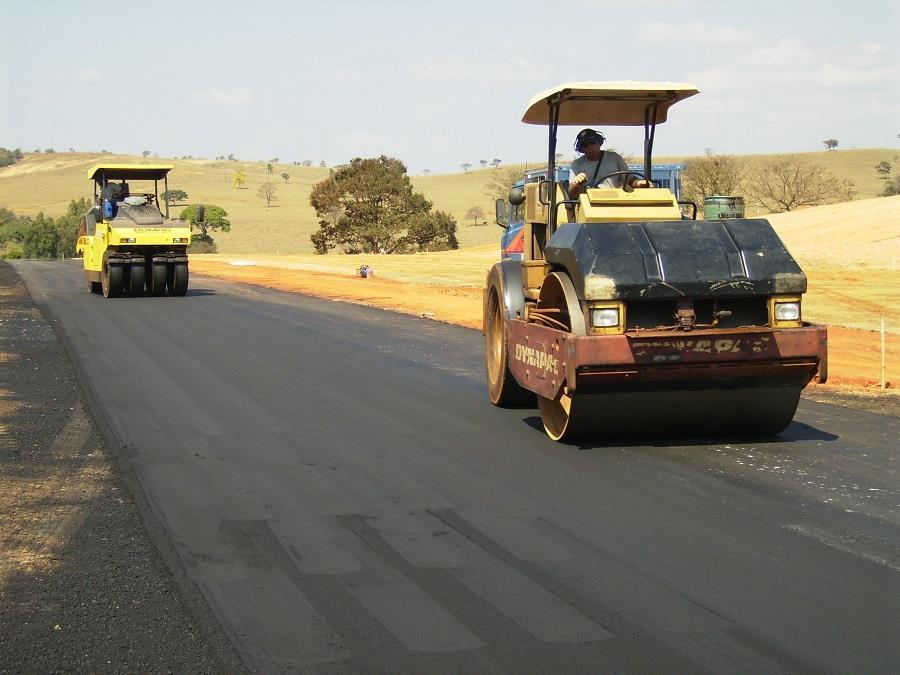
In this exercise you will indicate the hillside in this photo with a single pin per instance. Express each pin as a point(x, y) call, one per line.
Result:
point(47, 182)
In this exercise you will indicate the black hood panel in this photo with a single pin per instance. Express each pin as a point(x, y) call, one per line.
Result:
point(670, 259)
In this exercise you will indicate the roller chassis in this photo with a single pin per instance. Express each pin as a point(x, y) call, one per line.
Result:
point(133, 249)
point(697, 370)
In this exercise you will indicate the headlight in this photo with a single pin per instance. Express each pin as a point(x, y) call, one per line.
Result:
point(606, 317)
point(787, 311)
point(126, 240)
point(180, 240)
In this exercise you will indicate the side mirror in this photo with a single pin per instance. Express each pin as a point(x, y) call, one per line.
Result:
point(500, 212)
point(201, 213)
point(516, 196)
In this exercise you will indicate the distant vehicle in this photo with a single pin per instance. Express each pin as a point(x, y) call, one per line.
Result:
point(626, 317)
point(128, 245)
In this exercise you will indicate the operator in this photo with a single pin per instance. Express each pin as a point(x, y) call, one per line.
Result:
point(595, 164)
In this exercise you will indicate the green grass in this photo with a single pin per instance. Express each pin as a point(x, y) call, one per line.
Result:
point(42, 182)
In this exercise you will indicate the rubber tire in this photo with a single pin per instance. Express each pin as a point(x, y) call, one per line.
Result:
point(177, 279)
point(111, 279)
point(137, 279)
point(503, 389)
point(156, 280)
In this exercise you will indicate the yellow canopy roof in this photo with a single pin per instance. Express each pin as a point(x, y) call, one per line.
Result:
point(130, 171)
point(608, 103)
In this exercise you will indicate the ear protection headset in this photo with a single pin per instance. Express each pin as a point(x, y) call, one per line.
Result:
point(587, 135)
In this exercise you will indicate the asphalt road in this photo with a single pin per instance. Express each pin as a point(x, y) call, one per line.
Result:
point(336, 485)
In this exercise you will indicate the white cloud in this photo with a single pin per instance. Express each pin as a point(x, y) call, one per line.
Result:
point(488, 68)
point(344, 76)
point(784, 54)
point(88, 75)
point(694, 32)
point(216, 96)
point(362, 143)
point(831, 75)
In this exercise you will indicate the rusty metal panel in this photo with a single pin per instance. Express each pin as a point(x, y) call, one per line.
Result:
point(537, 357)
point(543, 359)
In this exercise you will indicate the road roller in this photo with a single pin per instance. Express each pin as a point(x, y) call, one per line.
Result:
point(627, 315)
point(128, 245)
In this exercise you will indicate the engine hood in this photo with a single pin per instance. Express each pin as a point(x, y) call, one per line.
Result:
point(672, 259)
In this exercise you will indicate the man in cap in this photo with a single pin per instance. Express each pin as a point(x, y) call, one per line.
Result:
point(596, 164)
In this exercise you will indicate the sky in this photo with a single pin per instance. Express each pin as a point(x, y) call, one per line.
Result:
point(438, 84)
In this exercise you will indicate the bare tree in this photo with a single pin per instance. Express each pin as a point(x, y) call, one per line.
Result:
point(712, 175)
point(475, 213)
point(830, 144)
point(267, 192)
point(790, 183)
point(466, 166)
point(500, 182)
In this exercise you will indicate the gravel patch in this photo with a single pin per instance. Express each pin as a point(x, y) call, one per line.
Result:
point(83, 585)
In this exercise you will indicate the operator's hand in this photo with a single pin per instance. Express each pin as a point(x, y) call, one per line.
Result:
point(642, 182)
point(579, 179)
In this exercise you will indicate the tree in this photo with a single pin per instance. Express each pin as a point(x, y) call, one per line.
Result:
point(67, 225)
point(466, 166)
point(307, 162)
point(285, 177)
point(425, 172)
point(267, 191)
point(172, 197)
point(500, 182)
point(495, 163)
point(884, 168)
point(436, 232)
point(475, 213)
point(215, 218)
point(323, 164)
point(369, 206)
point(712, 175)
point(238, 179)
point(830, 144)
point(146, 153)
point(8, 157)
point(891, 187)
point(483, 162)
point(41, 239)
point(790, 183)
point(269, 168)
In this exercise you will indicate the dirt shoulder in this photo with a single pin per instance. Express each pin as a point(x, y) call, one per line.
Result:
point(82, 586)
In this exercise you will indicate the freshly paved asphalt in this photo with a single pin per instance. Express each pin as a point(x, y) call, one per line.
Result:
point(335, 483)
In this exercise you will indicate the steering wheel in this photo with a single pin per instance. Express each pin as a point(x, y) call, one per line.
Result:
point(636, 174)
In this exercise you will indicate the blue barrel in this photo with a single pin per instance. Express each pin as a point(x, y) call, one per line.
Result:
point(719, 206)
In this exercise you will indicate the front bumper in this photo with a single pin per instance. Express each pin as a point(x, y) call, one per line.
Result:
point(544, 360)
